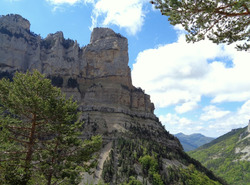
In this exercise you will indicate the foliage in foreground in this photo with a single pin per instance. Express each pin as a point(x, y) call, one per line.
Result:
point(222, 21)
point(39, 140)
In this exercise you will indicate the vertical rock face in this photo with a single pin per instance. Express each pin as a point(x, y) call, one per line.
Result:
point(97, 75)
point(19, 47)
point(107, 55)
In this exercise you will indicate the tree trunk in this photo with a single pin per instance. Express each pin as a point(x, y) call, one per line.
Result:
point(30, 151)
point(52, 162)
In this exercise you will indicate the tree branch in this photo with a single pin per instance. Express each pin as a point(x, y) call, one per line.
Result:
point(21, 128)
point(20, 134)
point(231, 14)
point(18, 140)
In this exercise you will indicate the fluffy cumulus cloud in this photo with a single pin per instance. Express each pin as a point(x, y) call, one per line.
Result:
point(212, 112)
point(175, 120)
point(231, 120)
point(175, 124)
point(126, 14)
point(185, 107)
point(181, 73)
point(212, 122)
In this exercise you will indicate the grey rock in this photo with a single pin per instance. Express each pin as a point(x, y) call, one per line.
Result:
point(96, 75)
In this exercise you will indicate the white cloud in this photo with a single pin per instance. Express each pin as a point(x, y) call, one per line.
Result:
point(213, 122)
point(236, 119)
point(185, 107)
point(245, 109)
point(212, 112)
point(173, 119)
point(126, 14)
point(176, 124)
point(179, 27)
point(181, 73)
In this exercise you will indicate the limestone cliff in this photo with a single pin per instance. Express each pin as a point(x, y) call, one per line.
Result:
point(99, 78)
point(97, 75)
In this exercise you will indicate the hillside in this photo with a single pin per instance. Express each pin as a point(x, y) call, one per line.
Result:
point(228, 156)
point(135, 144)
point(193, 141)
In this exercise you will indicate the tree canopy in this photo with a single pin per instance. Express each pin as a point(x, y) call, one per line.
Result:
point(222, 21)
point(39, 133)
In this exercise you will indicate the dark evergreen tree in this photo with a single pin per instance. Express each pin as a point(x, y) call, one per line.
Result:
point(39, 136)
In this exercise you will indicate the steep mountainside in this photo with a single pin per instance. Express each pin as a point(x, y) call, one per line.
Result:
point(193, 141)
point(135, 144)
point(228, 156)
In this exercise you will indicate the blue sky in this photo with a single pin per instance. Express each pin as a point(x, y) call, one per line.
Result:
point(196, 88)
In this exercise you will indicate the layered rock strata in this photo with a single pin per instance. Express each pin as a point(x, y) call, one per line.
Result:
point(97, 75)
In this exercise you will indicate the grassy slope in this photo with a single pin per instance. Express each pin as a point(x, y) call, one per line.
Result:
point(220, 157)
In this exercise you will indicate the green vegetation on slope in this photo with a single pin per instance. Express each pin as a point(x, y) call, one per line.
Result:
point(224, 156)
point(140, 161)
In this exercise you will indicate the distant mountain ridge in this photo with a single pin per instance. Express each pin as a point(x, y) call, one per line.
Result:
point(193, 141)
point(228, 156)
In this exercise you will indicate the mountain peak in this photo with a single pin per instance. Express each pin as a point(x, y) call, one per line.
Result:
point(15, 21)
point(193, 141)
point(103, 33)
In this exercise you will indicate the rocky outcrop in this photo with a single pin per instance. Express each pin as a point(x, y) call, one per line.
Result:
point(97, 75)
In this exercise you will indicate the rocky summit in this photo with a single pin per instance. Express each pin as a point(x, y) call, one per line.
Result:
point(98, 77)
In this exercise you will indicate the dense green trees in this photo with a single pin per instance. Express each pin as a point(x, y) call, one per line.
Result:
point(191, 176)
point(138, 161)
point(132, 181)
point(222, 21)
point(39, 133)
point(150, 167)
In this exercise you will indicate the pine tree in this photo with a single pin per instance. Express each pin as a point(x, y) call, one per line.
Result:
point(222, 21)
point(39, 133)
